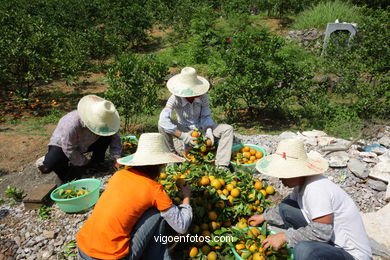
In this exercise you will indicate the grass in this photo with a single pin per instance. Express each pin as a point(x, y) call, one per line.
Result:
point(326, 12)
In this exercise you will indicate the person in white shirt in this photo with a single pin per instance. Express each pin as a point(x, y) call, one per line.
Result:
point(321, 219)
point(191, 104)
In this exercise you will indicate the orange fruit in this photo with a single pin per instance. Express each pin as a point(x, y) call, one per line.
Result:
point(208, 142)
point(246, 149)
point(235, 193)
point(263, 192)
point(214, 225)
point(195, 134)
point(253, 248)
point(259, 154)
point(225, 191)
point(220, 204)
point(270, 190)
point(213, 215)
point(205, 181)
point(212, 256)
point(219, 192)
point(258, 185)
point(242, 225)
point(216, 184)
point(227, 223)
point(252, 158)
point(212, 178)
point(253, 232)
point(230, 187)
point(204, 226)
point(258, 256)
point(252, 151)
point(222, 181)
point(247, 154)
point(163, 175)
point(193, 252)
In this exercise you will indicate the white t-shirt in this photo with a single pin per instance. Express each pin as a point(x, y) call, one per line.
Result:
point(319, 197)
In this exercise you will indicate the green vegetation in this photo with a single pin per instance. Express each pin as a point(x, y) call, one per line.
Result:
point(44, 212)
point(266, 82)
point(14, 193)
point(327, 12)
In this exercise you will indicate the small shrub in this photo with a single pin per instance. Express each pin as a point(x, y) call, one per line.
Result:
point(134, 82)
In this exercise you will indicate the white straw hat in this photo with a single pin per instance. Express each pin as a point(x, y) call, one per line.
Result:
point(99, 115)
point(151, 150)
point(188, 84)
point(290, 160)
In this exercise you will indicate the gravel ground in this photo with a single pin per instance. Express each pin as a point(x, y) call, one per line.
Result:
point(24, 236)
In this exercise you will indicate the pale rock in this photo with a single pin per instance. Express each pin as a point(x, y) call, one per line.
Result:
point(325, 140)
point(377, 225)
point(314, 133)
point(368, 154)
point(354, 153)
point(381, 171)
point(379, 150)
point(358, 168)
point(385, 140)
point(46, 254)
point(384, 157)
point(387, 194)
point(49, 233)
point(338, 159)
point(287, 135)
point(311, 141)
point(377, 185)
point(344, 142)
point(370, 160)
point(17, 241)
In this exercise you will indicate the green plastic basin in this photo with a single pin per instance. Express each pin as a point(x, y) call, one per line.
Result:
point(238, 257)
point(239, 147)
point(81, 202)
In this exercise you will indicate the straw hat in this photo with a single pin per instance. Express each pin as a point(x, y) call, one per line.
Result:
point(99, 115)
point(188, 84)
point(290, 160)
point(151, 150)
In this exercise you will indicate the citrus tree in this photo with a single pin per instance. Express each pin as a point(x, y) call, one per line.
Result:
point(134, 82)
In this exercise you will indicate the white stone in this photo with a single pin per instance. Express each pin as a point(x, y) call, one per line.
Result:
point(385, 140)
point(370, 160)
point(384, 157)
point(311, 141)
point(325, 140)
point(368, 154)
point(387, 194)
point(379, 150)
point(314, 133)
point(338, 159)
point(46, 254)
point(358, 168)
point(377, 225)
point(381, 171)
point(287, 135)
point(343, 142)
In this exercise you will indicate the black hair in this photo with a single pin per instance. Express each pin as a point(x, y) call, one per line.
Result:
point(153, 171)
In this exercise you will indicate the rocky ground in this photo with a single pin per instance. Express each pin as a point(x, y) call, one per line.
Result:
point(360, 167)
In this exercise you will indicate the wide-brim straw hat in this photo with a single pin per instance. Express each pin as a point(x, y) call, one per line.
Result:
point(151, 150)
point(99, 115)
point(290, 160)
point(188, 84)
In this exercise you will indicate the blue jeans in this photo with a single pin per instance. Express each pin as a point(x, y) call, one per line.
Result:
point(308, 250)
point(142, 242)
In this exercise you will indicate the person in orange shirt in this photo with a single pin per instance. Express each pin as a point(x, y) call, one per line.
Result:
point(133, 209)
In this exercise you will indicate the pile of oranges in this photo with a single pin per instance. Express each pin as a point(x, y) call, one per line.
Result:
point(220, 200)
point(203, 152)
point(246, 155)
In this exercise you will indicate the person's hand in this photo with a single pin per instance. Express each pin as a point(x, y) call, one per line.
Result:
point(186, 191)
point(209, 135)
point(117, 165)
point(276, 241)
point(187, 138)
point(256, 220)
